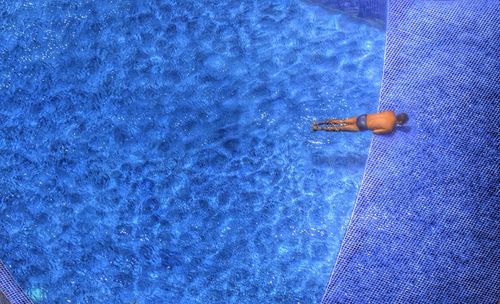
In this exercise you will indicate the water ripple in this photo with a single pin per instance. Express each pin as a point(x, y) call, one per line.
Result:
point(161, 151)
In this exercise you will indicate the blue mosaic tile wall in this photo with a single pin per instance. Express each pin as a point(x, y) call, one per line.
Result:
point(10, 289)
point(426, 223)
point(3, 299)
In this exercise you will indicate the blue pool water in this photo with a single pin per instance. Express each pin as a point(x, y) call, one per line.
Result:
point(161, 152)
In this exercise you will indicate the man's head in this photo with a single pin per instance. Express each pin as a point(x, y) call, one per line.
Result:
point(401, 118)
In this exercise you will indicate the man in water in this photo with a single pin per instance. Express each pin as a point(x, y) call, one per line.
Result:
point(379, 123)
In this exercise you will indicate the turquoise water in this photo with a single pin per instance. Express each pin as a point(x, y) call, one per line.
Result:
point(161, 151)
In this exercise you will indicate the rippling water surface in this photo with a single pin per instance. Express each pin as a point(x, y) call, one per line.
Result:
point(161, 152)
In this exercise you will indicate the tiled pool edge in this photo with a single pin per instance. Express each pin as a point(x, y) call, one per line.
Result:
point(10, 288)
point(410, 235)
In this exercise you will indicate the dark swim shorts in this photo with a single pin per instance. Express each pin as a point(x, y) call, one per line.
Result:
point(361, 122)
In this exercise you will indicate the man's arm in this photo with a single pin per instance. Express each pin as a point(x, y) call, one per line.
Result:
point(381, 131)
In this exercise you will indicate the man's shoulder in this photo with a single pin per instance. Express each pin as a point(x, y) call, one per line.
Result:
point(389, 115)
point(385, 114)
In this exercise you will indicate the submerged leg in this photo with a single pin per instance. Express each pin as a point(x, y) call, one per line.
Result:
point(336, 128)
point(343, 121)
point(331, 121)
point(328, 128)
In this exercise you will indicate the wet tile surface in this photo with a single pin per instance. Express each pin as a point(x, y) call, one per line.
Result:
point(426, 221)
point(10, 292)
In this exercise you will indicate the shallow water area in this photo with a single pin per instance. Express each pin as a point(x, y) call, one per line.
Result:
point(161, 151)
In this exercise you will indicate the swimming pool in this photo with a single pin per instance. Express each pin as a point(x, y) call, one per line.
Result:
point(161, 152)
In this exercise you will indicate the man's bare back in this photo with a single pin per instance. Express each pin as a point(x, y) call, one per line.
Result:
point(379, 123)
